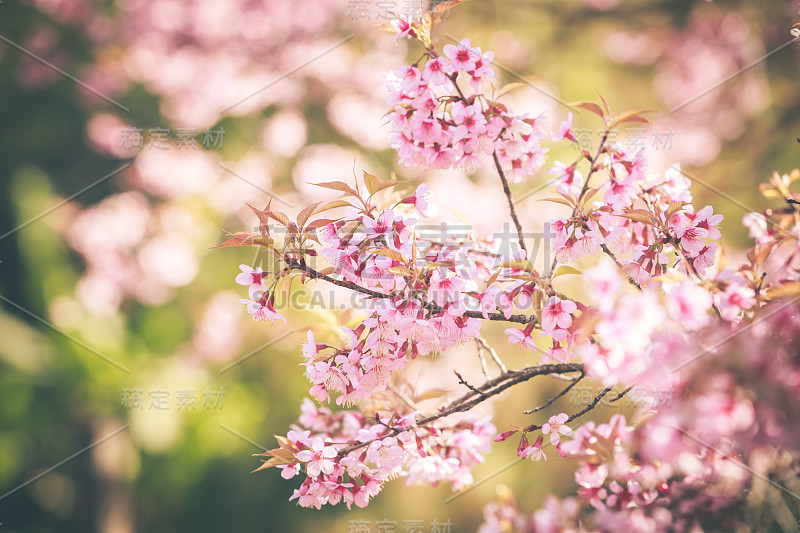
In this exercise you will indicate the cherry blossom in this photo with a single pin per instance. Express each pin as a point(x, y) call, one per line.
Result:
point(556, 426)
point(318, 459)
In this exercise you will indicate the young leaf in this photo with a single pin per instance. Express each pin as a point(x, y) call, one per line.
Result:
point(238, 239)
point(565, 269)
point(561, 201)
point(302, 217)
point(371, 182)
point(520, 264)
point(262, 218)
point(400, 270)
point(639, 215)
point(385, 184)
point(589, 106)
point(334, 204)
point(605, 104)
point(673, 208)
point(391, 254)
point(279, 217)
point(631, 116)
point(319, 223)
point(337, 186)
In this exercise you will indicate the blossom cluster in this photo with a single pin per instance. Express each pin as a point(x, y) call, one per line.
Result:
point(658, 286)
point(694, 462)
point(347, 458)
point(434, 124)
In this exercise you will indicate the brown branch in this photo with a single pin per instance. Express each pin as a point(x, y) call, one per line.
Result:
point(491, 388)
point(313, 274)
point(549, 402)
point(579, 414)
point(621, 394)
point(610, 254)
point(496, 358)
point(511, 208)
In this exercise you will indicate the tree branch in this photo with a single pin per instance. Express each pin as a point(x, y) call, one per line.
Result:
point(491, 388)
point(314, 274)
point(549, 402)
point(511, 208)
point(579, 414)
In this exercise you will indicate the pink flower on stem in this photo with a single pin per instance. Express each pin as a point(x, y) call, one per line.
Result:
point(262, 309)
point(557, 313)
point(403, 28)
point(420, 200)
point(378, 227)
point(469, 119)
point(705, 258)
point(311, 348)
point(289, 471)
point(483, 69)
point(250, 276)
point(319, 459)
point(437, 70)
point(462, 56)
point(522, 337)
point(386, 454)
point(708, 221)
point(444, 290)
point(565, 131)
point(555, 427)
point(534, 451)
point(493, 298)
point(569, 180)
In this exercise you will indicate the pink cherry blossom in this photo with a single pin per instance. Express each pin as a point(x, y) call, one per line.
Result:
point(557, 313)
point(521, 338)
point(462, 56)
point(318, 459)
point(250, 277)
point(556, 427)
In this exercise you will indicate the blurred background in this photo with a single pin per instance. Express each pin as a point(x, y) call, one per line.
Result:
point(133, 386)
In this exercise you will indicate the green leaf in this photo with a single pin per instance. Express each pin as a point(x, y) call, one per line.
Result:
point(565, 269)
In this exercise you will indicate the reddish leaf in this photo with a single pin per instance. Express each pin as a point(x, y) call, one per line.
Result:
point(319, 223)
point(337, 186)
point(239, 239)
point(589, 106)
point(302, 217)
point(371, 182)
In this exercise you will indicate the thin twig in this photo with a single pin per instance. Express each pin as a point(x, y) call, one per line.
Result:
point(491, 388)
point(482, 359)
point(610, 254)
point(403, 397)
point(621, 394)
point(435, 309)
point(496, 358)
point(511, 208)
point(579, 414)
point(549, 402)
